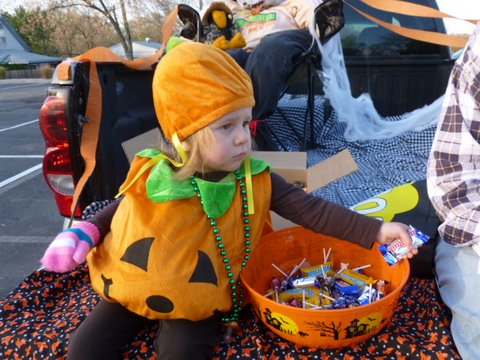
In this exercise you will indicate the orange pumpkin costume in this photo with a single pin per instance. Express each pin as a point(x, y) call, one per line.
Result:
point(160, 259)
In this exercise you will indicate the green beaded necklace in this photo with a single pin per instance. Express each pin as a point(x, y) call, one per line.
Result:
point(236, 291)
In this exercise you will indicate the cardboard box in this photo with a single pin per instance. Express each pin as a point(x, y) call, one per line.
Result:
point(291, 165)
point(149, 139)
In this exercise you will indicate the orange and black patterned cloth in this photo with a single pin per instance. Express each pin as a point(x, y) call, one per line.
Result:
point(37, 318)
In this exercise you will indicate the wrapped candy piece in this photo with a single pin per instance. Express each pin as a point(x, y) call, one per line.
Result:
point(345, 288)
point(276, 282)
point(295, 303)
point(324, 297)
point(306, 282)
point(351, 301)
point(340, 303)
point(381, 288)
point(369, 294)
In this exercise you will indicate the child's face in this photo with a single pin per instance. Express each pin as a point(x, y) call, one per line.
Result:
point(232, 141)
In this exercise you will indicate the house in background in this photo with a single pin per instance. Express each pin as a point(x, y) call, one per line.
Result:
point(14, 50)
point(140, 48)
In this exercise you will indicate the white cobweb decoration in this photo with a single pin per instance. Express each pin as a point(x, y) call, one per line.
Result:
point(363, 122)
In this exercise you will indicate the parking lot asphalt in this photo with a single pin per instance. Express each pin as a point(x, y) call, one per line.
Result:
point(24, 234)
point(29, 218)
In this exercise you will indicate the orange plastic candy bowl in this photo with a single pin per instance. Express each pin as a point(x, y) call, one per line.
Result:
point(320, 328)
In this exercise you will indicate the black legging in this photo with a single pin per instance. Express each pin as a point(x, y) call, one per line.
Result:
point(110, 326)
point(270, 64)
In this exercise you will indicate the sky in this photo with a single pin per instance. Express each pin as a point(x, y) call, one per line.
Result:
point(458, 8)
point(462, 9)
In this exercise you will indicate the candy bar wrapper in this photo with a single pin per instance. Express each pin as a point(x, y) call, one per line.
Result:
point(325, 269)
point(290, 294)
point(354, 278)
point(394, 251)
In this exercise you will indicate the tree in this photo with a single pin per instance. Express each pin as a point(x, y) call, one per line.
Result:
point(108, 9)
point(35, 27)
point(118, 15)
point(65, 32)
point(77, 31)
point(149, 15)
point(331, 329)
point(146, 27)
point(70, 27)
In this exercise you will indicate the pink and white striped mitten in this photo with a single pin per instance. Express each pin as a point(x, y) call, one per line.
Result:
point(70, 248)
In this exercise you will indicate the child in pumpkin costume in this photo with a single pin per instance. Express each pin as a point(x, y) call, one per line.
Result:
point(188, 220)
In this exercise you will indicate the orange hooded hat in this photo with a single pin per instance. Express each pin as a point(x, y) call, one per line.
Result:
point(183, 107)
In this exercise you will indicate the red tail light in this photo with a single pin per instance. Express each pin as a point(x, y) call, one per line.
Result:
point(53, 121)
point(57, 166)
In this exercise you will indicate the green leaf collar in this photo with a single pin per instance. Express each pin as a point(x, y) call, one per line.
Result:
point(217, 196)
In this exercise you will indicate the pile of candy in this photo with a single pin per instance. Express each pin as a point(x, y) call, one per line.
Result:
point(395, 251)
point(323, 287)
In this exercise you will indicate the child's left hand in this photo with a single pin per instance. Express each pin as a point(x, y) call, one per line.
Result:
point(391, 231)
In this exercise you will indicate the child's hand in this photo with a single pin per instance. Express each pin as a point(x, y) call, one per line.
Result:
point(391, 231)
point(70, 248)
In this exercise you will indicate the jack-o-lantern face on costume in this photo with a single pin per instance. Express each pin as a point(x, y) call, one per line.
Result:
point(161, 260)
point(137, 255)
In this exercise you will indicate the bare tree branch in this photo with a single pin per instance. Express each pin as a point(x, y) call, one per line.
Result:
point(108, 10)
